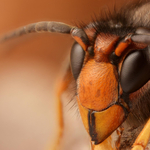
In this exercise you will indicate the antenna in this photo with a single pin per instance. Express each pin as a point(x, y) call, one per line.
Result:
point(50, 26)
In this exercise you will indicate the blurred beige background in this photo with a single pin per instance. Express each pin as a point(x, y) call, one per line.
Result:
point(29, 67)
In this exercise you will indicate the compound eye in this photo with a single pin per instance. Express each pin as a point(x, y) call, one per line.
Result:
point(76, 59)
point(135, 70)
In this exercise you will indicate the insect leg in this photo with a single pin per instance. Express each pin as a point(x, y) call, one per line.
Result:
point(143, 138)
point(63, 84)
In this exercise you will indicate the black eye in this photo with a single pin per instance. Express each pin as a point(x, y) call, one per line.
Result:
point(135, 70)
point(76, 58)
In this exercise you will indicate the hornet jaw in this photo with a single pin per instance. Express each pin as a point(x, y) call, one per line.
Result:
point(100, 124)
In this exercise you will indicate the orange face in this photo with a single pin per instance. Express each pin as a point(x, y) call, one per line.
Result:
point(98, 80)
point(98, 89)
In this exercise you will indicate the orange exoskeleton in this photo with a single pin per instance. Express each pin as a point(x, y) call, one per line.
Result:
point(110, 63)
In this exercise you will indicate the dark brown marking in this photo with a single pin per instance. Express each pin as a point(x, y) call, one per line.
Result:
point(97, 93)
point(91, 122)
point(90, 82)
point(83, 88)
